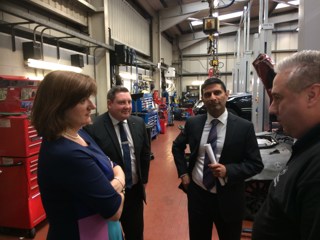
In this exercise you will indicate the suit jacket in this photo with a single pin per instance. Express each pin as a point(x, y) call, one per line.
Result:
point(103, 132)
point(240, 155)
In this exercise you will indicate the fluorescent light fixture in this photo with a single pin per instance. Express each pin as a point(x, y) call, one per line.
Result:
point(196, 22)
point(33, 63)
point(35, 78)
point(197, 82)
point(126, 75)
point(284, 5)
point(193, 19)
point(230, 15)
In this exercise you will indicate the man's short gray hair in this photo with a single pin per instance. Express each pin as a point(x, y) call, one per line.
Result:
point(304, 69)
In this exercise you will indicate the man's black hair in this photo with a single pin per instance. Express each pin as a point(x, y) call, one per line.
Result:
point(210, 81)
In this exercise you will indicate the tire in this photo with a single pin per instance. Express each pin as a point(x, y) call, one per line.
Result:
point(256, 192)
point(31, 233)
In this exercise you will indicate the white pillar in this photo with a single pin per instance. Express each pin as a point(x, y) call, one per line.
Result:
point(309, 19)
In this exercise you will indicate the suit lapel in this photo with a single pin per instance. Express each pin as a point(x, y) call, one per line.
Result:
point(230, 131)
point(197, 132)
point(132, 127)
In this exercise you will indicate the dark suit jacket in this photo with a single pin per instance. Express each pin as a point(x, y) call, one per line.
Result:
point(240, 155)
point(103, 132)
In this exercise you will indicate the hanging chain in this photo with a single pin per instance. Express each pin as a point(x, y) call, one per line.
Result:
point(213, 51)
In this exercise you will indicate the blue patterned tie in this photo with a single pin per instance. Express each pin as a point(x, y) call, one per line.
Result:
point(126, 155)
point(208, 178)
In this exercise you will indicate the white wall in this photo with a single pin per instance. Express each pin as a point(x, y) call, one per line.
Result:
point(309, 19)
point(128, 26)
point(166, 51)
point(14, 63)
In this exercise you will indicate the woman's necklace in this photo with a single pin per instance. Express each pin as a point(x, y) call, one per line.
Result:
point(71, 136)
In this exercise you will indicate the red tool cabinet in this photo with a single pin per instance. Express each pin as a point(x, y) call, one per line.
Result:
point(20, 200)
point(18, 137)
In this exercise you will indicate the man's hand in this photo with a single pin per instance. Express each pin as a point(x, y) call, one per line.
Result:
point(185, 180)
point(218, 170)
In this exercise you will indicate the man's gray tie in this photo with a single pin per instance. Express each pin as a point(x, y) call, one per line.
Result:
point(126, 155)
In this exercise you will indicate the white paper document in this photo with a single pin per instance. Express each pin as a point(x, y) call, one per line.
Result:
point(212, 159)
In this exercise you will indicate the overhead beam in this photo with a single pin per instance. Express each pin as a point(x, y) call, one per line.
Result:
point(87, 5)
point(170, 22)
point(188, 40)
point(24, 15)
point(57, 11)
point(170, 17)
point(183, 9)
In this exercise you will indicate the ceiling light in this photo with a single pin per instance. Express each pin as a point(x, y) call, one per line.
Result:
point(196, 22)
point(193, 19)
point(127, 75)
point(284, 5)
point(33, 63)
point(230, 15)
point(35, 78)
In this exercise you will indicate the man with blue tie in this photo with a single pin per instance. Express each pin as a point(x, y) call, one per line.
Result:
point(235, 148)
point(124, 139)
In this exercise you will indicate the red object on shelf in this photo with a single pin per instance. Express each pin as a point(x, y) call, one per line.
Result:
point(20, 200)
point(16, 93)
point(18, 137)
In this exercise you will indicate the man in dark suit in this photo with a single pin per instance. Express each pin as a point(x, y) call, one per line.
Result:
point(107, 134)
point(236, 150)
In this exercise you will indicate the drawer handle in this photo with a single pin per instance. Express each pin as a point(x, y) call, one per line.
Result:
point(36, 195)
point(35, 144)
point(11, 165)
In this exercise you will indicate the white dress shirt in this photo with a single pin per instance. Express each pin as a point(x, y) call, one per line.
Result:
point(197, 173)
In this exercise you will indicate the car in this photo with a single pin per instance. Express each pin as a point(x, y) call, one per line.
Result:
point(275, 149)
point(239, 104)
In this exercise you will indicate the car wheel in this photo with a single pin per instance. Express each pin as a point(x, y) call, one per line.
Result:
point(256, 192)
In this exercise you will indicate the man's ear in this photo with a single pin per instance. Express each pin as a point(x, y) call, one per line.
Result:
point(108, 102)
point(313, 94)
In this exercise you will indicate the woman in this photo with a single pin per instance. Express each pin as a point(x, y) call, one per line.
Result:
point(80, 187)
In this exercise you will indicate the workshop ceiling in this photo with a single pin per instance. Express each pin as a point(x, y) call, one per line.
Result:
point(175, 14)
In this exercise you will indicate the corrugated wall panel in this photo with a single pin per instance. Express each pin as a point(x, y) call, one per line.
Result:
point(129, 27)
point(67, 9)
point(166, 51)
